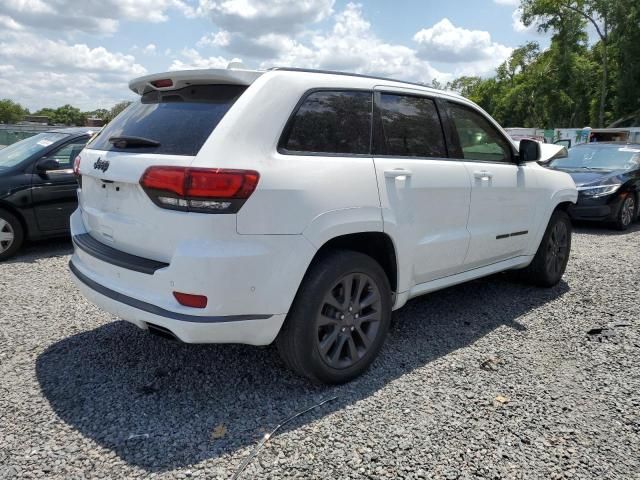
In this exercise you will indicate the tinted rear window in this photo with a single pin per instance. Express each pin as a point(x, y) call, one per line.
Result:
point(331, 122)
point(408, 126)
point(181, 120)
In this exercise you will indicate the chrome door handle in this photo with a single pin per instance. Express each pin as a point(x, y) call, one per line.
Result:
point(483, 175)
point(397, 172)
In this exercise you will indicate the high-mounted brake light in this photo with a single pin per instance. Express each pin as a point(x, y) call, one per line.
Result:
point(204, 190)
point(164, 83)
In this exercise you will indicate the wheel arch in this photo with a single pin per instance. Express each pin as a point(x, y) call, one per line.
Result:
point(16, 213)
point(377, 245)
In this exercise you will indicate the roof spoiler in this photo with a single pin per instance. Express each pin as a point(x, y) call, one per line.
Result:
point(233, 75)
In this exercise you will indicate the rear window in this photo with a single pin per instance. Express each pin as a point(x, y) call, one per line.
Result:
point(334, 122)
point(179, 120)
point(408, 126)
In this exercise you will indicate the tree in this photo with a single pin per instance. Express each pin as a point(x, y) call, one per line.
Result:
point(11, 112)
point(65, 115)
point(550, 14)
point(116, 109)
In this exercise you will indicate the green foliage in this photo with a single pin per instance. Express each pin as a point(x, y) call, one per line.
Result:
point(11, 112)
point(65, 115)
point(569, 84)
point(116, 109)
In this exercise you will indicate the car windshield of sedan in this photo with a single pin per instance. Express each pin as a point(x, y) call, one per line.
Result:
point(599, 157)
point(18, 152)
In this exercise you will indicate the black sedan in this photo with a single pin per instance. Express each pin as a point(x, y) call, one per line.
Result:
point(608, 179)
point(38, 186)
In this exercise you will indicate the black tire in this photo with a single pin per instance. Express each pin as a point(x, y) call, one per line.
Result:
point(10, 225)
point(320, 318)
point(627, 213)
point(550, 261)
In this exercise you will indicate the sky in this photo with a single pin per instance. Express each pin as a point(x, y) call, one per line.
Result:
point(84, 52)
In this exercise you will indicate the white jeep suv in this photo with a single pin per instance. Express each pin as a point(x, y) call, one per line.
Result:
point(303, 207)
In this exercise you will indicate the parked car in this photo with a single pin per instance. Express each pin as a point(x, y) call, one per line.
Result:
point(303, 207)
point(38, 187)
point(608, 179)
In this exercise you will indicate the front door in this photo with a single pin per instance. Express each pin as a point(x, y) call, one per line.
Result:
point(54, 191)
point(424, 195)
point(503, 193)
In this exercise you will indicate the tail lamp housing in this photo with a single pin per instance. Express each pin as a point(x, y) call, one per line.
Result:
point(203, 190)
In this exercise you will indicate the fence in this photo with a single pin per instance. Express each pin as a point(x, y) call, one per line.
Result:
point(14, 133)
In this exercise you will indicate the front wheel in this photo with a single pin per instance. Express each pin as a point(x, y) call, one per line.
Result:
point(11, 234)
point(551, 259)
point(627, 213)
point(339, 318)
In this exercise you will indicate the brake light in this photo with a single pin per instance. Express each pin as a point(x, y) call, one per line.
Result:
point(164, 83)
point(204, 190)
point(190, 300)
point(76, 165)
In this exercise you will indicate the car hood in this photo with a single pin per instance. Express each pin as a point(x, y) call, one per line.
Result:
point(583, 177)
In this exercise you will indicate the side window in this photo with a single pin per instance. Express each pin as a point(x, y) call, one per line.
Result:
point(331, 122)
point(479, 139)
point(67, 153)
point(407, 126)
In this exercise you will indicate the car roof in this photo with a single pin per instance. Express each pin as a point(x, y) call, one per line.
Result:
point(238, 76)
point(75, 130)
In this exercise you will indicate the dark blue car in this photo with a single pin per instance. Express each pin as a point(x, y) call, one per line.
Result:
point(608, 179)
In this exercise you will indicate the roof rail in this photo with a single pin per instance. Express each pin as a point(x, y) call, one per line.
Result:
point(360, 75)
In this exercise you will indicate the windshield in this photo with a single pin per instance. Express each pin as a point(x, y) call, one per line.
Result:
point(18, 152)
point(599, 157)
point(175, 122)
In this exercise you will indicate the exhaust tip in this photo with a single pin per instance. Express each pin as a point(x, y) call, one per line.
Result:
point(163, 332)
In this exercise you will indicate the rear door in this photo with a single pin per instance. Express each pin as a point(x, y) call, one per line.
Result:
point(424, 194)
point(503, 194)
point(54, 191)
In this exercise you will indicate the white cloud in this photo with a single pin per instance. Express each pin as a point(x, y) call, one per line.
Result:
point(511, 3)
point(39, 72)
point(263, 16)
point(352, 46)
point(36, 52)
point(472, 51)
point(218, 39)
point(193, 60)
point(149, 49)
point(93, 16)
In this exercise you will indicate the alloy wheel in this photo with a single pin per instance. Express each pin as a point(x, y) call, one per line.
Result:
point(7, 235)
point(557, 248)
point(349, 320)
point(628, 209)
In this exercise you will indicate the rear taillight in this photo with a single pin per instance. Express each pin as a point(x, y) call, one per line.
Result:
point(204, 190)
point(76, 165)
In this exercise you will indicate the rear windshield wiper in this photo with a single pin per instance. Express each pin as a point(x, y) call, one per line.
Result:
point(126, 142)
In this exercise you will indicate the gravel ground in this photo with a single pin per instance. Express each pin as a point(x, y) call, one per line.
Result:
point(491, 379)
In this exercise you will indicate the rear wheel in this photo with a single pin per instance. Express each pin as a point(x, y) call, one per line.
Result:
point(552, 256)
point(339, 319)
point(11, 234)
point(627, 213)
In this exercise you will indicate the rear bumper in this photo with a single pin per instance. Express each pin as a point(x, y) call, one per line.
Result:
point(252, 330)
point(249, 281)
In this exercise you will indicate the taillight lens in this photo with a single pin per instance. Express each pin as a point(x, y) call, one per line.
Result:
point(76, 165)
point(204, 190)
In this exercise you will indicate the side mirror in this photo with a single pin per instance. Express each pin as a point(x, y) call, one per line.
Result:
point(529, 150)
point(46, 164)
